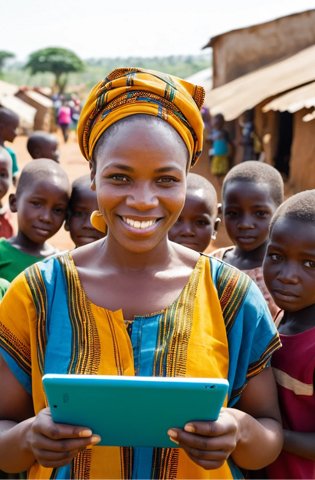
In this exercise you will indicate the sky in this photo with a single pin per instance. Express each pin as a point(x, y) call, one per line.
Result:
point(112, 28)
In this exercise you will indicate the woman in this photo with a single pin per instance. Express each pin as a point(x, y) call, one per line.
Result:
point(136, 303)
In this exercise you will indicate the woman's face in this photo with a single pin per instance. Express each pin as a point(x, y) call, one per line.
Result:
point(140, 179)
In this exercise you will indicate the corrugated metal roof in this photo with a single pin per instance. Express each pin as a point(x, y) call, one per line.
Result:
point(202, 78)
point(247, 91)
point(303, 97)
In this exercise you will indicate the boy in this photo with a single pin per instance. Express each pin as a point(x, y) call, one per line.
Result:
point(43, 145)
point(251, 193)
point(198, 221)
point(81, 205)
point(40, 201)
point(6, 227)
point(290, 277)
point(9, 122)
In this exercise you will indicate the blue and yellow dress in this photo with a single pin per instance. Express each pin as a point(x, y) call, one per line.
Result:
point(219, 326)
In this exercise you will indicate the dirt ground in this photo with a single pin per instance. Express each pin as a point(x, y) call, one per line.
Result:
point(75, 166)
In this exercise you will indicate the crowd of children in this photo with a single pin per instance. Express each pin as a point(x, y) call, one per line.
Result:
point(273, 243)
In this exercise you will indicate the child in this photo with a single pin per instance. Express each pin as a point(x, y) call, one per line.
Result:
point(289, 271)
point(81, 205)
point(9, 122)
point(221, 149)
point(43, 145)
point(6, 226)
point(198, 221)
point(251, 193)
point(40, 201)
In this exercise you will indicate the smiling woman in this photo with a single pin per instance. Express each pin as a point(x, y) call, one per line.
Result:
point(135, 303)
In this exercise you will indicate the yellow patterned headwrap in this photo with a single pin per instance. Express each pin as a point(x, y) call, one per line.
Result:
point(131, 91)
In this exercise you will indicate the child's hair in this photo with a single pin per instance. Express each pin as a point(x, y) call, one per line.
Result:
point(7, 115)
point(198, 182)
point(78, 184)
point(37, 141)
point(257, 172)
point(42, 169)
point(300, 207)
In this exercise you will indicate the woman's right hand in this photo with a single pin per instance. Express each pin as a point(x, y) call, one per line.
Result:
point(55, 444)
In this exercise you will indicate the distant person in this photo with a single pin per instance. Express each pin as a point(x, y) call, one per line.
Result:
point(9, 122)
point(64, 119)
point(82, 204)
point(250, 142)
point(6, 224)
point(198, 221)
point(41, 202)
point(43, 145)
point(250, 195)
point(289, 271)
point(221, 148)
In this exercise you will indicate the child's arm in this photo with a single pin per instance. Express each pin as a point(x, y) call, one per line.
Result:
point(300, 443)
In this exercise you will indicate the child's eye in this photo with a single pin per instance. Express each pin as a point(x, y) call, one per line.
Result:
point(275, 257)
point(77, 214)
point(60, 211)
point(202, 222)
point(309, 264)
point(230, 214)
point(262, 213)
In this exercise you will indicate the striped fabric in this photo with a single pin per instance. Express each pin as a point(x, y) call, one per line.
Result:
point(130, 91)
point(46, 311)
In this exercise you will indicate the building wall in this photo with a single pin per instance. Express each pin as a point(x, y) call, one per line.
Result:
point(302, 171)
point(241, 51)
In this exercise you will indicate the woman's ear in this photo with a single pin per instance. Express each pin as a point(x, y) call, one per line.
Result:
point(12, 202)
point(92, 166)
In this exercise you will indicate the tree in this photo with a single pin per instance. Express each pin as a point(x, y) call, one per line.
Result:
point(59, 61)
point(4, 55)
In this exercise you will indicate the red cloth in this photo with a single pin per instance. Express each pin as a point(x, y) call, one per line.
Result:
point(6, 225)
point(294, 366)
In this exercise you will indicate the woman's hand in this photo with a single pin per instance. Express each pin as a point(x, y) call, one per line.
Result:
point(54, 444)
point(208, 444)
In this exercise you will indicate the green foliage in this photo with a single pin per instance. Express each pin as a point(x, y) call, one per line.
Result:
point(97, 68)
point(58, 61)
point(4, 55)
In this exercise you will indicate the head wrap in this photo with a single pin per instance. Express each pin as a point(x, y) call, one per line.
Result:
point(131, 91)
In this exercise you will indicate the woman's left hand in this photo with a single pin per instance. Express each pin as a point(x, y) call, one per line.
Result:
point(208, 444)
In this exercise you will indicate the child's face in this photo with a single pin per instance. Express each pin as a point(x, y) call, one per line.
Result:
point(5, 175)
point(247, 211)
point(82, 232)
point(289, 265)
point(41, 209)
point(140, 182)
point(9, 129)
point(195, 224)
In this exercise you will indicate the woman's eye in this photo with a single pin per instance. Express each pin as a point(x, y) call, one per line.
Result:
point(119, 178)
point(167, 180)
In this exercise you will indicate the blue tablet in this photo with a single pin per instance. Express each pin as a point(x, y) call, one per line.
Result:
point(133, 411)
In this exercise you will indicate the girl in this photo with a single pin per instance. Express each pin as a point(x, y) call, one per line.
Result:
point(136, 303)
point(289, 271)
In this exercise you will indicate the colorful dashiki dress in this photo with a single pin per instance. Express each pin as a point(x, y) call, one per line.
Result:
point(219, 326)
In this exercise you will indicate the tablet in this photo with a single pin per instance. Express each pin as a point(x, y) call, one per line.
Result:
point(133, 411)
